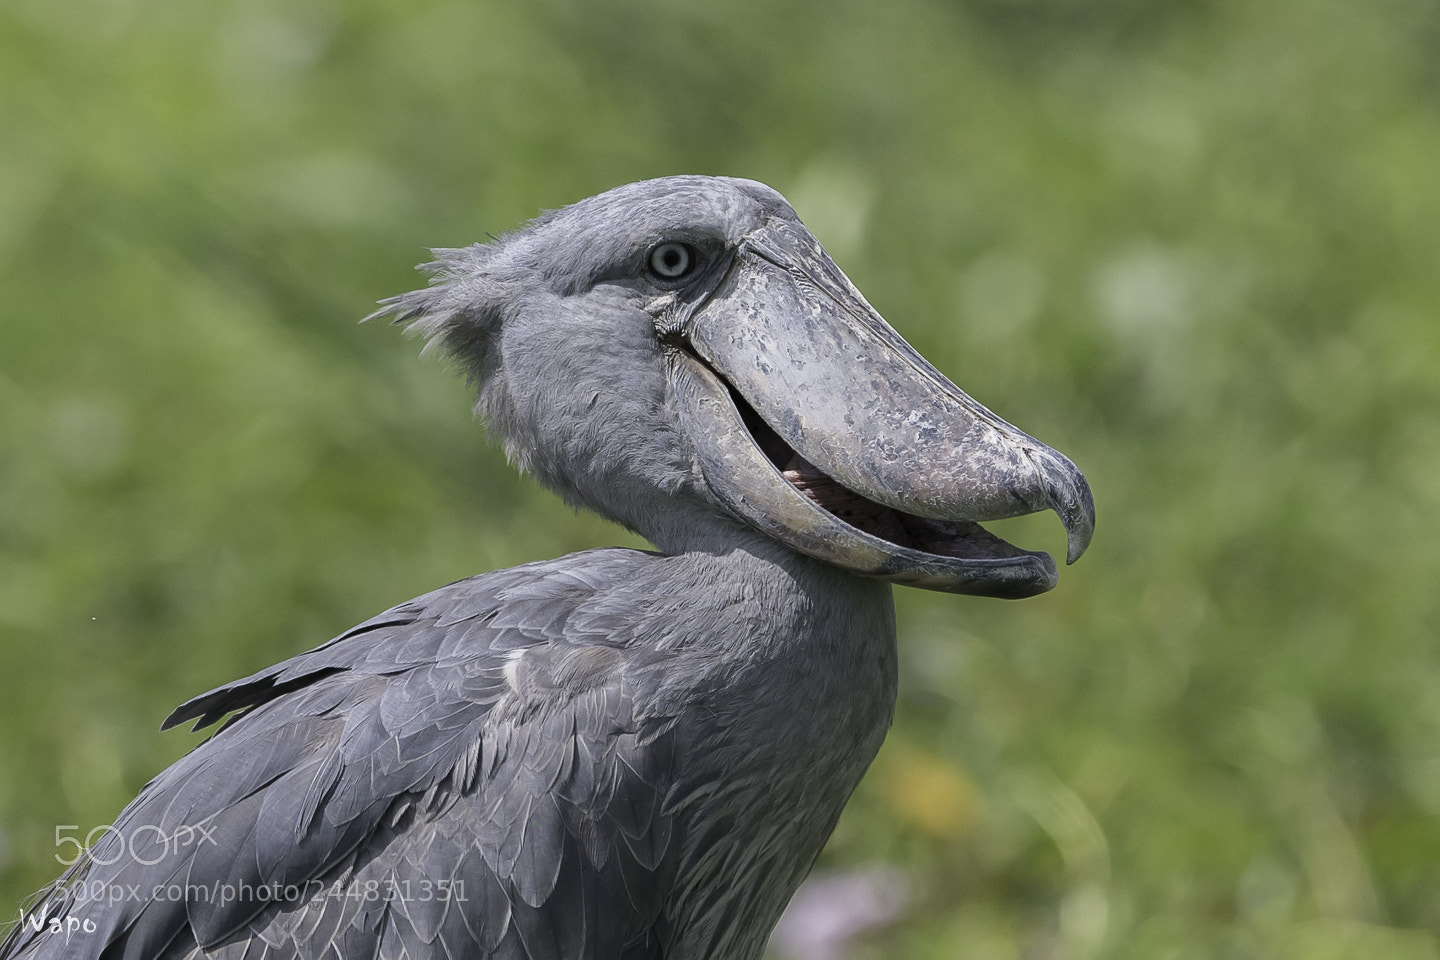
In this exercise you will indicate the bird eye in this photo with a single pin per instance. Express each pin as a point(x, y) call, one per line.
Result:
point(671, 261)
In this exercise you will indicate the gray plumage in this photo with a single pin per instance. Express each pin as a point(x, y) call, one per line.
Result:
point(615, 754)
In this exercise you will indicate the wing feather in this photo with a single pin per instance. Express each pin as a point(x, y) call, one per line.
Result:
point(393, 793)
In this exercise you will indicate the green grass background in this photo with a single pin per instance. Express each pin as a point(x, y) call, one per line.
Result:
point(1195, 245)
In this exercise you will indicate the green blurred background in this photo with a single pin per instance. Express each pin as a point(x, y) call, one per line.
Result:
point(1195, 245)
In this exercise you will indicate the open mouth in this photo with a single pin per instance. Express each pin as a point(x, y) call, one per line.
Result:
point(958, 539)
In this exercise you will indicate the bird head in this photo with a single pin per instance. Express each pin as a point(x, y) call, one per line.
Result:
point(681, 351)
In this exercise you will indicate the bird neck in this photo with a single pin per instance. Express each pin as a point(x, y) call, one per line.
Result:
point(734, 551)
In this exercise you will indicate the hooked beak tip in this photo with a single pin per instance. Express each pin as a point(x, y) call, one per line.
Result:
point(1077, 512)
point(1068, 494)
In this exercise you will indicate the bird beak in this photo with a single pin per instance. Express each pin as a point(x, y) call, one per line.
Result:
point(815, 422)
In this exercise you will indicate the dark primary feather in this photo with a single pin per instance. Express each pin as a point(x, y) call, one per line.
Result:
point(416, 803)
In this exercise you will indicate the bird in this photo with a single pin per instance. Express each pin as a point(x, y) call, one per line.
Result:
point(622, 754)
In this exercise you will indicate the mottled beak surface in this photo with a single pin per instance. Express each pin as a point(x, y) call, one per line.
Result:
point(818, 424)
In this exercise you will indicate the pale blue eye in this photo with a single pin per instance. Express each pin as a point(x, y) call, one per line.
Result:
point(671, 261)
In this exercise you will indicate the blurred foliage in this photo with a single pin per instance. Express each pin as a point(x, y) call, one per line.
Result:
point(1195, 245)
